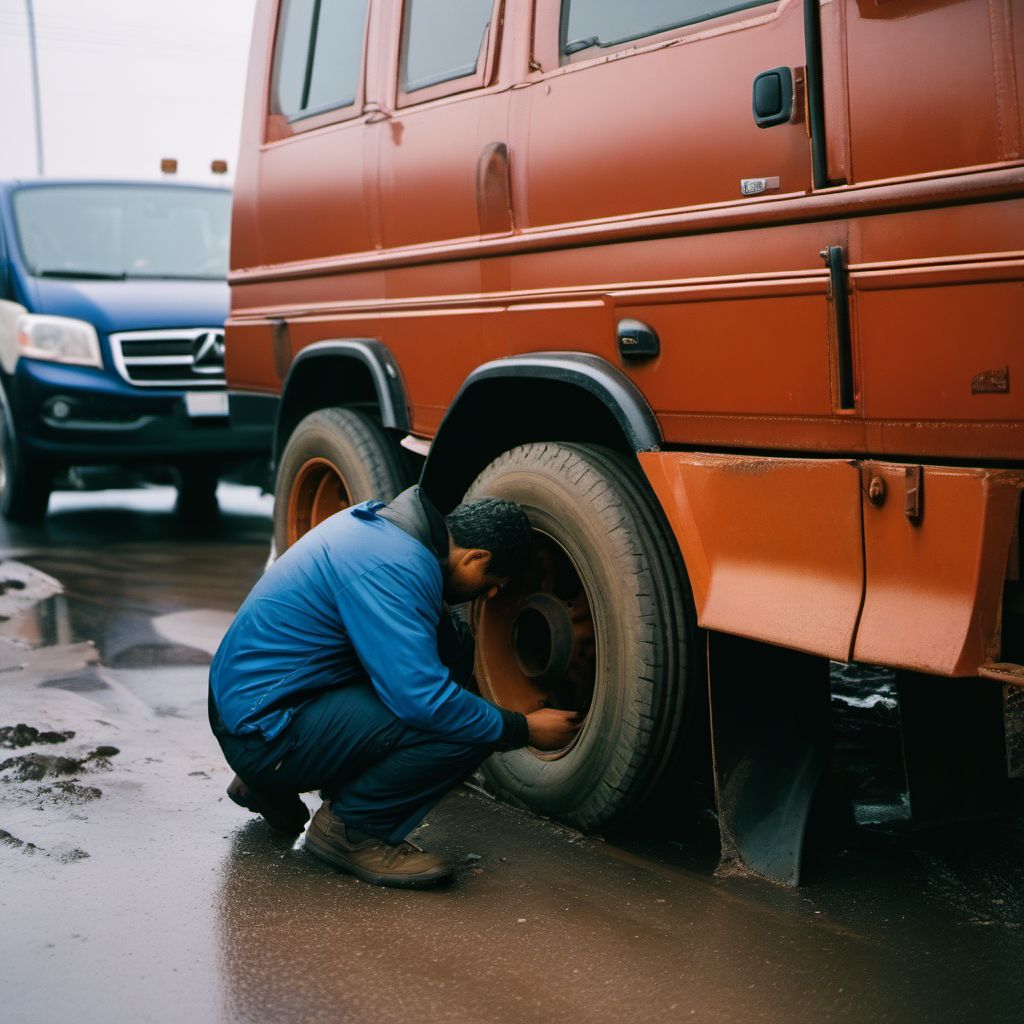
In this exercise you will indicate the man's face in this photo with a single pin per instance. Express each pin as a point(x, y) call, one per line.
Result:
point(467, 576)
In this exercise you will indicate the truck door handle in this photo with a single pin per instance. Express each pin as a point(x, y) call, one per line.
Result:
point(773, 97)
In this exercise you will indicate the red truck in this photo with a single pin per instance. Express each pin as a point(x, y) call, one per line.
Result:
point(730, 297)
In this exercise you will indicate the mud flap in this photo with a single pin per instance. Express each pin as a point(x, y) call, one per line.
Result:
point(958, 762)
point(771, 737)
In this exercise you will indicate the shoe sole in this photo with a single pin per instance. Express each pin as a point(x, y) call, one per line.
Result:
point(330, 855)
point(278, 824)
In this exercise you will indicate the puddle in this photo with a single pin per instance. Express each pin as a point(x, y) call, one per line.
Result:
point(867, 756)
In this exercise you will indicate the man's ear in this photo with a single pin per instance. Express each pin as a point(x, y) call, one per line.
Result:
point(476, 554)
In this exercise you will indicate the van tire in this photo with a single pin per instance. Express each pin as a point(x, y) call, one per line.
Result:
point(352, 445)
point(596, 505)
point(196, 504)
point(24, 489)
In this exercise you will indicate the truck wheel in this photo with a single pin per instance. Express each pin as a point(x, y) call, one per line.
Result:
point(334, 458)
point(24, 489)
point(602, 623)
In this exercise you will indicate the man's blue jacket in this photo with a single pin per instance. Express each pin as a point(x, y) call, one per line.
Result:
point(357, 598)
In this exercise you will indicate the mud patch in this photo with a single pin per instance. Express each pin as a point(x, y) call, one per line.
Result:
point(34, 767)
point(22, 735)
point(69, 792)
point(68, 855)
point(18, 844)
point(64, 854)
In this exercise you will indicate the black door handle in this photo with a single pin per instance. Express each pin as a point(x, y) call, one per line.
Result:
point(773, 97)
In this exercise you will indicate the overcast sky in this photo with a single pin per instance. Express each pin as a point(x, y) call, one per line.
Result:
point(124, 83)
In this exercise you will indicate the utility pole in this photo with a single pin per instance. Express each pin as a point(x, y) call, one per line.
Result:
point(35, 86)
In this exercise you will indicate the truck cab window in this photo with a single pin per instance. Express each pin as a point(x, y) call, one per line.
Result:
point(442, 40)
point(603, 23)
point(318, 57)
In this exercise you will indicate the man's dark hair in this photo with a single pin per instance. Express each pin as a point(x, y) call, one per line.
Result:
point(495, 525)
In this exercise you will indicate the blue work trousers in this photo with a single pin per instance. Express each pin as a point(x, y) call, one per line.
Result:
point(381, 775)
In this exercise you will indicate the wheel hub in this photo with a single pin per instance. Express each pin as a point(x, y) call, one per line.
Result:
point(543, 643)
point(535, 644)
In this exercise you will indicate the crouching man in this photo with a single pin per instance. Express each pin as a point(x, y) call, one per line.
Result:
point(331, 678)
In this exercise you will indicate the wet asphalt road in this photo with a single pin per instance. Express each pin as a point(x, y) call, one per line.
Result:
point(132, 890)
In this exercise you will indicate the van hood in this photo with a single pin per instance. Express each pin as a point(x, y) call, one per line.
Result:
point(135, 304)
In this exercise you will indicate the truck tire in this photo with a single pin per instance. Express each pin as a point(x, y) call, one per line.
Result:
point(333, 459)
point(602, 623)
point(24, 489)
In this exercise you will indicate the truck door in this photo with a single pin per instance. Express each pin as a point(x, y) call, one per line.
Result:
point(645, 110)
point(444, 117)
point(442, 183)
point(917, 86)
point(647, 106)
point(314, 135)
point(927, 95)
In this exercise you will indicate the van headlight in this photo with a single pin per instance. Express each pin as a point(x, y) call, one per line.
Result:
point(58, 339)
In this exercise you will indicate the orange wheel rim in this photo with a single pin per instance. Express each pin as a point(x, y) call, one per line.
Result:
point(318, 492)
point(536, 642)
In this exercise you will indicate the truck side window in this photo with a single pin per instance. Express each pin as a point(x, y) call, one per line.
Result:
point(606, 23)
point(442, 40)
point(318, 56)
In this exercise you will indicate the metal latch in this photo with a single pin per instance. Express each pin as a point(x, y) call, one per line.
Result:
point(913, 502)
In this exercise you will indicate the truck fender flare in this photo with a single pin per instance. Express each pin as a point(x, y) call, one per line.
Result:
point(599, 378)
point(383, 370)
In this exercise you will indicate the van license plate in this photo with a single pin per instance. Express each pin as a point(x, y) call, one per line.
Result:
point(198, 403)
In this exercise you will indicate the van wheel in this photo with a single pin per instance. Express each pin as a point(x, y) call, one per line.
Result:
point(24, 489)
point(334, 458)
point(601, 623)
point(196, 504)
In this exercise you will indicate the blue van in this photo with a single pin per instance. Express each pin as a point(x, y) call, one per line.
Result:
point(112, 304)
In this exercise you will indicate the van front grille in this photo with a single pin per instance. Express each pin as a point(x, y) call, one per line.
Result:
point(191, 357)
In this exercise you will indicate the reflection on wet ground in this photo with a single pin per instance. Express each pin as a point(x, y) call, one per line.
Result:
point(135, 891)
point(123, 567)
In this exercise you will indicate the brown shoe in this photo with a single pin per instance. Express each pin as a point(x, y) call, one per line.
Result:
point(283, 811)
point(403, 866)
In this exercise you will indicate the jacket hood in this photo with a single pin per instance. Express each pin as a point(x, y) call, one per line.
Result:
point(413, 512)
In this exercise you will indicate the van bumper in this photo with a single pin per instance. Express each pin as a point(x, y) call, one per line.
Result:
point(70, 415)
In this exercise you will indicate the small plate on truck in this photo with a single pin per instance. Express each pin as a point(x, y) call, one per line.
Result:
point(200, 403)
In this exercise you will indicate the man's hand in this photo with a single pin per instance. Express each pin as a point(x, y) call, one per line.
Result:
point(551, 729)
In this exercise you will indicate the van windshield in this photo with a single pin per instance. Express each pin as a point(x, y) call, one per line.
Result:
point(121, 231)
